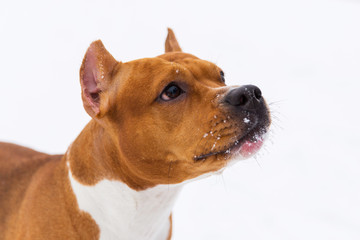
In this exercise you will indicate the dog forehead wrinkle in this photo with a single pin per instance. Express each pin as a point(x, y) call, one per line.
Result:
point(176, 56)
point(202, 68)
point(197, 66)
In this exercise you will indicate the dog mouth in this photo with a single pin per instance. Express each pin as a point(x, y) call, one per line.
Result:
point(246, 145)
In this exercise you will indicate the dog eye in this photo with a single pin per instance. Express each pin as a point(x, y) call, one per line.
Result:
point(171, 92)
point(222, 75)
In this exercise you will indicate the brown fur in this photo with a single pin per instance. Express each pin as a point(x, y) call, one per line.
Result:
point(171, 44)
point(36, 199)
point(133, 137)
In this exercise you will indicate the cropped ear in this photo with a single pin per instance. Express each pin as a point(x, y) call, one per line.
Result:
point(171, 44)
point(95, 76)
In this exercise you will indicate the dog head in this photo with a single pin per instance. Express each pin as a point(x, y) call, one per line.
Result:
point(172, 117)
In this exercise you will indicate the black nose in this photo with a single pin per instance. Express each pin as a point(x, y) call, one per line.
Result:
point(246, 97)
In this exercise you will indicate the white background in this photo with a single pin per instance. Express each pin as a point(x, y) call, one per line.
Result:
point(303, 54)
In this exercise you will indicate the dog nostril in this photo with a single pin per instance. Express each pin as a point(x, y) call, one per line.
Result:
point(244, 97)
point(242, 100)
point(257, 93)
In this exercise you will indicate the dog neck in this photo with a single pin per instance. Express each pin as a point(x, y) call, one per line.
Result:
point(117, 208)
point(95, 155)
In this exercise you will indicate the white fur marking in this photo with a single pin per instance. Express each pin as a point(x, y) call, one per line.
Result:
point(123, 213)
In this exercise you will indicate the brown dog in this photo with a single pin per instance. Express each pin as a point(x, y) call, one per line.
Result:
point(156, 122)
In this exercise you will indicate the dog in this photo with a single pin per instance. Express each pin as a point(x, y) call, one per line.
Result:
point(157, 123)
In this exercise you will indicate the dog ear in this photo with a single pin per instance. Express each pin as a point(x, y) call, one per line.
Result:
point(171, 44)
point(95, 77)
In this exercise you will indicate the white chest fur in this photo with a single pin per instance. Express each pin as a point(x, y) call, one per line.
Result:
point(126, 214)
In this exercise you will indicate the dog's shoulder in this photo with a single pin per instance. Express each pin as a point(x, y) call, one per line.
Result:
point(20, 161)
point(17, 167)
point(14, 158)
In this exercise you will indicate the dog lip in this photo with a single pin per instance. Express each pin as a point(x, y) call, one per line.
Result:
point(251, 135)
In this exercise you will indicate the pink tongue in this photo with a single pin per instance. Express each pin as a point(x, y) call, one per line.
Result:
point(249, 148)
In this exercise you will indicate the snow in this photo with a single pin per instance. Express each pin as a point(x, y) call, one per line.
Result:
point(302, 54)
point(212, 148)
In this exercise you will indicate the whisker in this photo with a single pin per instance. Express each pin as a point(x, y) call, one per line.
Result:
point(277, 102)
point(277, 126)
point(255, 157)
point(223, 180)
